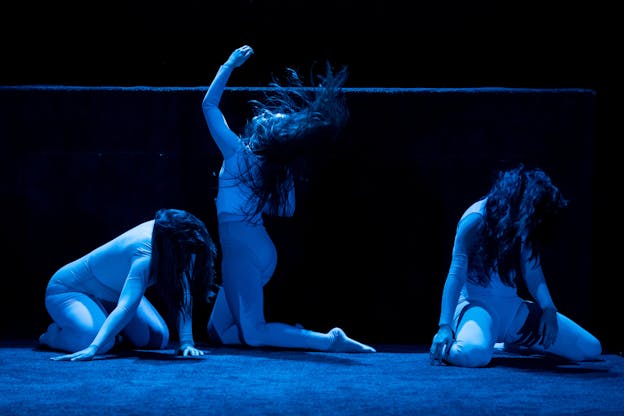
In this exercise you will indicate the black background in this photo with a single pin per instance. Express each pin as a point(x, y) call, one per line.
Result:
point(384, 44)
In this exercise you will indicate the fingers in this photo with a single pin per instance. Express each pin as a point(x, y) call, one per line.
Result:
point(82, 357)
point(70, 357)
point(548, 339)
point(246, 50)
point(191, 352)
point(435, 356)
point(547, 336)
point(437, 353)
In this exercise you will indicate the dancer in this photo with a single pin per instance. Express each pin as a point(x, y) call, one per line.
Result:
point(100, 295)
point(256, 178)
point(497, 242)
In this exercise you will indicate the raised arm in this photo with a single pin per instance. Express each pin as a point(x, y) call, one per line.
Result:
point(224, 137)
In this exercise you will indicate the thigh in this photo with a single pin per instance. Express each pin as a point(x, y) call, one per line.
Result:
point(242, 285)
point(75, 312)
point(476, 326)
point(221, 319)
point(253, 244)
point(573, 342)
point(523, 329)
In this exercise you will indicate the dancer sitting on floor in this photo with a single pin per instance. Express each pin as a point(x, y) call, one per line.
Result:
point(256, 178)
point(100, 295)
point(497, 243)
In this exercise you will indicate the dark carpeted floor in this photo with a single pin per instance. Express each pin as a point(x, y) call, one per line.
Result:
point(397, 380)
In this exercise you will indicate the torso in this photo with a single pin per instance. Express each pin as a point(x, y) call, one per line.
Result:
point(111, 263)
point(233, 195)
point(496, 288)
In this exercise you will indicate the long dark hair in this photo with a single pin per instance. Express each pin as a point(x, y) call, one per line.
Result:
point(176, 237)
point(291, 122)
point(520, 208)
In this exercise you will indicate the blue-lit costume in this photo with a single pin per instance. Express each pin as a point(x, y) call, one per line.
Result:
point(111, 279)
point(474, 317)
point(249, 256)
point(102, 294)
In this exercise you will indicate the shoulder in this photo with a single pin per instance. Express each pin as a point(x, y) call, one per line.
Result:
point(470, 222)
point(473, 215)
point(140, 269)
point(141, 262)
point(476, 208)
point(139, 233)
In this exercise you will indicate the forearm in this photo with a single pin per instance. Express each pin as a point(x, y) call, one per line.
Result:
point(541, 294)
point(450, 295)
point(215, 91)
point(114, 323)
point(536, 284)
point(452, 288)
point(185, 328)
point(185, 319)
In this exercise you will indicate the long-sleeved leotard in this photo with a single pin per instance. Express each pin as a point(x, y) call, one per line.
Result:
point(101, 294)
point(482, 316)
point(249, 256)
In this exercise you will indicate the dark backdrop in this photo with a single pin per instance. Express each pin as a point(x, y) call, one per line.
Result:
point(384, 44)
point(369, 246)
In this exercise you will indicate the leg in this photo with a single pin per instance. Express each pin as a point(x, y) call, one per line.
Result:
point(77, 320)
point(221, 326)
point(147, 329)
point(474, 340)
point(248, 261)
point(573, 342)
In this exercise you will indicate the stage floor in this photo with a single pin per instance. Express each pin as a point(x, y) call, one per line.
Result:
point(397, 380)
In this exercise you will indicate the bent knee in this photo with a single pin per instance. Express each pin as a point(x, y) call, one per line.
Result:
point(152, 338)
point(83, 336)
point(83, 340)
point(469, 355)
point(158, 338)
point(253, 335)
point(589, 349)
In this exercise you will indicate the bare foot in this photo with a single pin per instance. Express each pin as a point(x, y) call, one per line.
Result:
point(342, 343)
point(45, 338)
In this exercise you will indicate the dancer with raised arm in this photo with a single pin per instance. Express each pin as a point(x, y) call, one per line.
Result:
point(256, 179)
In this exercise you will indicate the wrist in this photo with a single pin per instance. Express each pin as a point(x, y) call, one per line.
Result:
point(448, 326)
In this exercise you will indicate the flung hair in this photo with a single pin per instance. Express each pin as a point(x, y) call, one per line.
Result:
point(291, 122)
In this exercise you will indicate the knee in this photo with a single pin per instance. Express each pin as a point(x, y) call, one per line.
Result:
point(589, 349)
point(82, 341)
point(158, 337)
point(469, 355)
point(84, 337)
point(252, 335)
point(155, 337)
